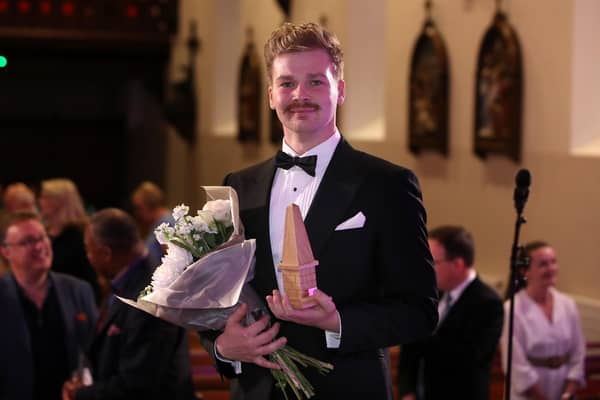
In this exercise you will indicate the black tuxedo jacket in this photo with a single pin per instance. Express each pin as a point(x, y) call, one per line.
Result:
point(380, 276)
point(457, 358)
point(137, 356)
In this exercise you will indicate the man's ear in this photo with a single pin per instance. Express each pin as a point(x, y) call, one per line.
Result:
point(341, 92)
point(270, 91)
point(4, 251)
point(459, 264)
point(105, 253)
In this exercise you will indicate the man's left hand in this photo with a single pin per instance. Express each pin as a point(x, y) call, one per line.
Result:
point(322, 315)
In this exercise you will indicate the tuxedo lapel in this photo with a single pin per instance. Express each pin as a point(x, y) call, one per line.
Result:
point(254, 196)
point(329, 206)
point(334, 195)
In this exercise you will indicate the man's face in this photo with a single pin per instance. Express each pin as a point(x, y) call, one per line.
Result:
point(444, 268)
point(543, 268)
point(48, 206)
point(305, 93)
point(27, 247)
point(141, 210)
point(97, 254)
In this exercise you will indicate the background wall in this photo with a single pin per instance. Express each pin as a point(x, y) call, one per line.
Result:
point(460, 189)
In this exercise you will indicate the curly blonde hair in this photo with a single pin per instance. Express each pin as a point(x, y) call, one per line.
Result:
point(294, 38)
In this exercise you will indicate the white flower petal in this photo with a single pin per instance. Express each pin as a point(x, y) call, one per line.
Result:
point(220, 209)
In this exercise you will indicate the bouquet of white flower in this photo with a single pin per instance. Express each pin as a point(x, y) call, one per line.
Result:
point(204, 275)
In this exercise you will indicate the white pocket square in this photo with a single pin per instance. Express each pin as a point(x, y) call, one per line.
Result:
point(358, 221)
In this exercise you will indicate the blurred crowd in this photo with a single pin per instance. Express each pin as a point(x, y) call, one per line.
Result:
point(61, 268)
point(65, 335)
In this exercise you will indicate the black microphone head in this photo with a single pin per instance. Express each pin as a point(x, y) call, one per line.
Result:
point(523, 178)
point(523, 181)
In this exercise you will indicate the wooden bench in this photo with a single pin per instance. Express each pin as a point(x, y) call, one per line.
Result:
point(592, 373)
point(208, 383)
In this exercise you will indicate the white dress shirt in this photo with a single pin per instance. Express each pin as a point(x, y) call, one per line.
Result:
point(294, 185)
point(444, 306)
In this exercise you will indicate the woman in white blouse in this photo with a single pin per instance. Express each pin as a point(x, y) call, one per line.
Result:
point(548, 343)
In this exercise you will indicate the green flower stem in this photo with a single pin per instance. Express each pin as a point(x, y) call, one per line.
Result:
point(305, 360)
point(206, 246)
point(290, 375)
point(178, 242)
point(221, 229)
point(281, 381)
point(224, 230)
point(299, 379)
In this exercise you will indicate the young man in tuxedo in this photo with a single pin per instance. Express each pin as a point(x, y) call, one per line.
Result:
point(366, 225)
point(455, 362)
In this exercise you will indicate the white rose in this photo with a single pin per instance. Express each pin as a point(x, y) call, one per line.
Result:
point(221, 210)
point(200, 223)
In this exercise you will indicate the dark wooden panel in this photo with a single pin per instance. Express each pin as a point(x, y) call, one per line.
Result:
point(88, 152)
point(81, 96)
point(151, 19)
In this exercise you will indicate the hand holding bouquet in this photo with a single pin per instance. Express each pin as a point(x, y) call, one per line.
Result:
point(203, 279)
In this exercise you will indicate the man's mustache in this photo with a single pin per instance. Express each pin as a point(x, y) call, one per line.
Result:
point(304, 105)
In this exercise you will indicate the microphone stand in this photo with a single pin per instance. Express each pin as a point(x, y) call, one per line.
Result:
point(517, 264)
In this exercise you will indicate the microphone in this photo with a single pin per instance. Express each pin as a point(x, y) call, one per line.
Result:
point(523, 180)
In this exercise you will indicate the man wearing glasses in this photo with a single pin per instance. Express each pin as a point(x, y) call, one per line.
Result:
point(47, 318)
point(455, 362)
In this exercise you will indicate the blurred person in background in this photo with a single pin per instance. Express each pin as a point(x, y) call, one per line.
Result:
point(150, 211)
point(548, 345)
point(16, 197)
point(47, 318)
point(456, 361)
point(133, 355)
point(19, 197)
point(62, 209)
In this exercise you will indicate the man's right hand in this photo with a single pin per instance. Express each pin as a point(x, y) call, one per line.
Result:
point(410, 396)
point(70, 387)
point(249, 343)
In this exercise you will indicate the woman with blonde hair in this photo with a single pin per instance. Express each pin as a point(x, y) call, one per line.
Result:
point(62, 209)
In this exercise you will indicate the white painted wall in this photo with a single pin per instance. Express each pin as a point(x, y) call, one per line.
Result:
point(462, 189)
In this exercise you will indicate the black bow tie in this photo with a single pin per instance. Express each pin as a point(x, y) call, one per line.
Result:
point(285, 161)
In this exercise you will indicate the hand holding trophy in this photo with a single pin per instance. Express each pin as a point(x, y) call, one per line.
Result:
point(303, 302)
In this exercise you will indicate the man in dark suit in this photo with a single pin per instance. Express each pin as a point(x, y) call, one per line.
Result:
point(47, 318)
point(134, 355)
point(455, 362)
point(366, 225)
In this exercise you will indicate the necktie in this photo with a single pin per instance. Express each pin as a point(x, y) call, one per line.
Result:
point(447, 304)
point(285, 161)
